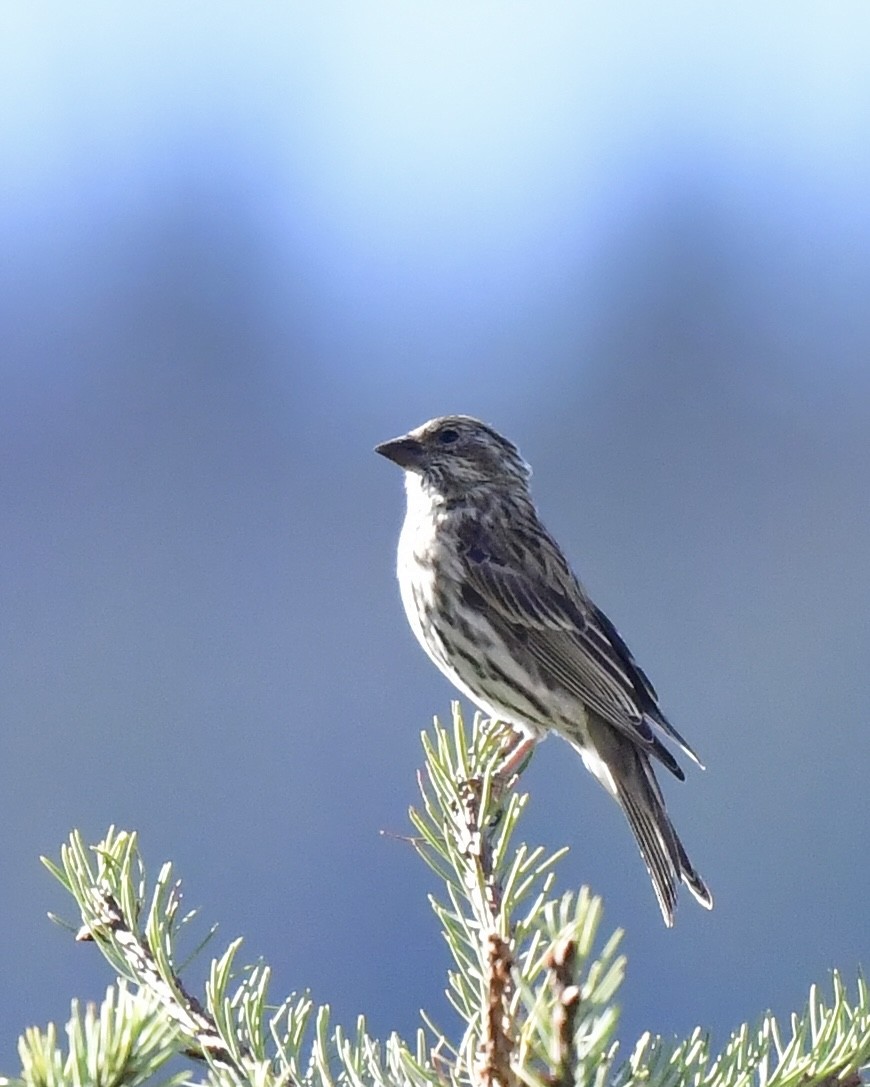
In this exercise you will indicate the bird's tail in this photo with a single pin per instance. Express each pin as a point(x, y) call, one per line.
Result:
point(627, 774)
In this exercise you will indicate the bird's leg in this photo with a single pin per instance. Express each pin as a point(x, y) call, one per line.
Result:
point(516, 754)
point(514, 751)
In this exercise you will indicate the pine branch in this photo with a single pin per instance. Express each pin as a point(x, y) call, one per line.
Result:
point(534, 988)
point(126, 1041)
point(829, 1046)
point(561, 965)
point(145, 954)
point(500, 926)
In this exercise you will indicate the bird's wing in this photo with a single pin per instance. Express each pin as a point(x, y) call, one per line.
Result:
point(642, 683)
point(574, 644)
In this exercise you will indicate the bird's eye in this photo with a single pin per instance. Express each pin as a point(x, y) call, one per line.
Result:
point(448, 436)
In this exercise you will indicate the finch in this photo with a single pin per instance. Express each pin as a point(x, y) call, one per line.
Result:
point(493, 601)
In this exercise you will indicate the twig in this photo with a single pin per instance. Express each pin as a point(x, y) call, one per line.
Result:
point(497, 1043)
point(852, 1079)
point(498, 1040)
point(475, 843)
point(561, 965)
point(182, 1008)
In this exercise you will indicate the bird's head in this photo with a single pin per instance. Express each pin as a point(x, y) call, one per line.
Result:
point(456, 453)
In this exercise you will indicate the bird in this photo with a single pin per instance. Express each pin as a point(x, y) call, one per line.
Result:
point(493, 601)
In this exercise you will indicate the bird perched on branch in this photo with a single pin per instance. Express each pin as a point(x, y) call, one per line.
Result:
point(493, 601)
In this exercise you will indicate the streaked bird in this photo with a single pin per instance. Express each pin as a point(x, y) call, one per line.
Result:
point(493, 601)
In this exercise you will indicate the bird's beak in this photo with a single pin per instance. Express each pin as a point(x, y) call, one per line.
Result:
point(406, 452)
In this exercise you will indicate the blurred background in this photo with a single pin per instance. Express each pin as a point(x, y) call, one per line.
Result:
point(241, 244)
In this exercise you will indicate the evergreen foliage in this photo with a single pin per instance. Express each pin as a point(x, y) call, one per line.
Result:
point(533, 984)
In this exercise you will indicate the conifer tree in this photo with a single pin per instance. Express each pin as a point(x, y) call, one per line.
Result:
point(532, 981)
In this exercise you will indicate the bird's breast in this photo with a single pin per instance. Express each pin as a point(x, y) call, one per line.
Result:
point(428, 570)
